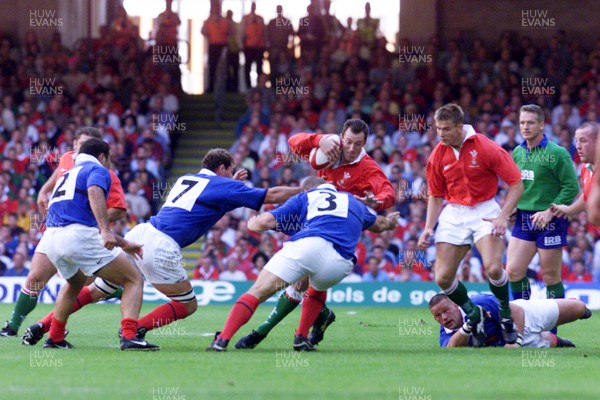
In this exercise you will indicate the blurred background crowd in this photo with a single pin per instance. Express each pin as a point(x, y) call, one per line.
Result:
point(314, 78)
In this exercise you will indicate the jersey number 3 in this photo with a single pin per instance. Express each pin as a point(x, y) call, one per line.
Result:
point(186, 191)
point(327, 203)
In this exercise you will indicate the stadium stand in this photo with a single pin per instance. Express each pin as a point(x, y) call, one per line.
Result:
point(110, 82)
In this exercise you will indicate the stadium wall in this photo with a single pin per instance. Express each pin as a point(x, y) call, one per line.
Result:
point(386, 294)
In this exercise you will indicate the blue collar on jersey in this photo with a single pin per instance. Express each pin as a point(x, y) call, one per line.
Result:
point(205, 171)
point(81, 158)
point(542, 144)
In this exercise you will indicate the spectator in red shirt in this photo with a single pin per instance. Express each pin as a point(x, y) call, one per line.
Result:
point(206, 269)
point(579, 273)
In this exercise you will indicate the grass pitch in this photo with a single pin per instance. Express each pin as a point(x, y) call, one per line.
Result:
point(368, 353)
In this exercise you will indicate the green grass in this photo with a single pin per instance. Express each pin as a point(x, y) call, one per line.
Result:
point(366, 355)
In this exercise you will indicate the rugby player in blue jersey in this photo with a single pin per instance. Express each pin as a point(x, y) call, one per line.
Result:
point(534, 320)
point(79, 243)
point(194, 204)
point(325, 226)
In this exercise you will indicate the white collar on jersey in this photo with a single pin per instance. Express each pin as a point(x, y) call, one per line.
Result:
point(80, 158)
point(362, 154)
point(468, 129)
point(326, 186)
point(205, 171)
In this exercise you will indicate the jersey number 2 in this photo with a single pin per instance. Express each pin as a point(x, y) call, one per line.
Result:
point(65, 187)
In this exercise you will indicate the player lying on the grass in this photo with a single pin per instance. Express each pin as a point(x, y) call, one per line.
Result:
point(534, 320)
point(194, 204)
point(78, 242)
point(326, 229)
point(41, 269)
point(464, 169)
point(355, 172)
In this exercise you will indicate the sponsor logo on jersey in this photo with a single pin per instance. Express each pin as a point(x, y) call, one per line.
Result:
point(527, 175)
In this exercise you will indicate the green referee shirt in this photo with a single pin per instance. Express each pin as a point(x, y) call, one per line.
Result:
point(548, 175)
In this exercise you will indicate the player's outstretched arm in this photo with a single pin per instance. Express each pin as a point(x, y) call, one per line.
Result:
point(279, 194)
point(262, 222)
point(387, 223)
point(563, 210)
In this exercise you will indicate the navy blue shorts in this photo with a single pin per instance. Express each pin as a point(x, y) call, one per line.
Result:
point(552, 237)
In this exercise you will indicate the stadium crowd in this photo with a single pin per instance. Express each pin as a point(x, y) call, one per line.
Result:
point(48, 92)
point(342, 71)
point(352, 73)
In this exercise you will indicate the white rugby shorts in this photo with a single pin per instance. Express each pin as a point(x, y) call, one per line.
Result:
point(312, 256)
point(76, 247)
point(463, 225)
point(162, 261)
point(540, 316)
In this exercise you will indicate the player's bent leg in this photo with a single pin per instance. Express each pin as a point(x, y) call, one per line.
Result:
point(570, 310)
point(518, 256)
point(102, 289)
point(314, 301)
point(287, 302)
point(448, 257)
point(183, 304)
point(62, 310)
point(265, 286)
point(550, 264)
point(123, 273)
point(40, 272)
point(491, 248)
point(36, 331)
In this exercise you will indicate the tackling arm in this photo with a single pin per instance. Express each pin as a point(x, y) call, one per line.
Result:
point(387, 223)
point(279, 194)
point(263, 222)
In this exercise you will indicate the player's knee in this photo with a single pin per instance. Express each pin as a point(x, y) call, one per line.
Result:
point(551, 277)
point(444, 281)
point(514, 274)
point(191, 307)
point(34, 283)
point(132, 278)
point(495, 272)
point(579, 308)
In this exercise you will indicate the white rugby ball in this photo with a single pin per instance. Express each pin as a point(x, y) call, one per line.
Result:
point(319, 160)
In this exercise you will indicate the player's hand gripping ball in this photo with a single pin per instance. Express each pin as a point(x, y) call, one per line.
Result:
point(318, 159)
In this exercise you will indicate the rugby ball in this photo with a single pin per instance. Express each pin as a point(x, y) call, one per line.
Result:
point(319, 160)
